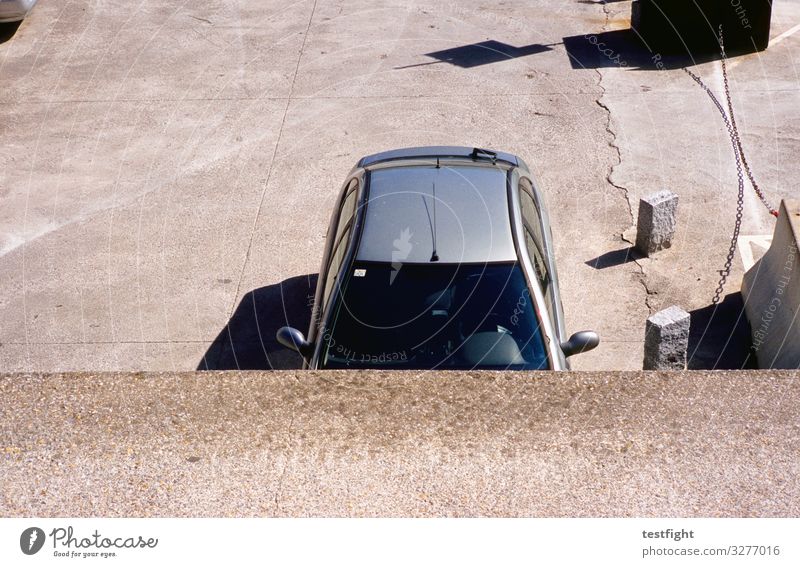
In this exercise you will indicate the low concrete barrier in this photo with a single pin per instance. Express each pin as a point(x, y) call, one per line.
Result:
point(771, 293)
point(400, 444)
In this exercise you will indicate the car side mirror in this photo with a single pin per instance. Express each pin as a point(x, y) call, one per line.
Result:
point(293, 339)
point(581, 341)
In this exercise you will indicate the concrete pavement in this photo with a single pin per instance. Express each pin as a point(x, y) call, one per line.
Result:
point(695, 444)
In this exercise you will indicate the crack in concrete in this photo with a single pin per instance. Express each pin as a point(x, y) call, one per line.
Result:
point(642, 277)
point(612, 143)
point(201, 20)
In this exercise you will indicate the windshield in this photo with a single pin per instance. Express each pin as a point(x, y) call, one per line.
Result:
point(417, 316)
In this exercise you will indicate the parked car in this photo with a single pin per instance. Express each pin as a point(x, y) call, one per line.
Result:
point(438, 258)
point(15, 10)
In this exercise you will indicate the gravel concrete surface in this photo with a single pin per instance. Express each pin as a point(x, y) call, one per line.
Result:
point(400, 444)
point(168, 165)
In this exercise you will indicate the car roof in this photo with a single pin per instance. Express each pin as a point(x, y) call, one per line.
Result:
point(434, 152)
point(467, 220)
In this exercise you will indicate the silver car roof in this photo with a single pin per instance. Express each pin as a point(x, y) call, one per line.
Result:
point(468, 219)
point(433, 152)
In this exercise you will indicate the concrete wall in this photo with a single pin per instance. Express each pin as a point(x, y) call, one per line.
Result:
point(400, 444)
point(771, 293)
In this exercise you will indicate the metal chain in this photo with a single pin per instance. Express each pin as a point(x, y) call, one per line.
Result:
point(756, 188)
point(738, 153)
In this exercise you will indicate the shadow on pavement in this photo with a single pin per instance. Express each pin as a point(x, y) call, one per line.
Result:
point(483, 53)
point(614, 258)
point(719, 336)
point(624, 48)
point(248, 340)
point(8, 30)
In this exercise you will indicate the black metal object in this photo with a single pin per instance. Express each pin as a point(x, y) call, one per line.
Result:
point(690, 26)
point(477, 152)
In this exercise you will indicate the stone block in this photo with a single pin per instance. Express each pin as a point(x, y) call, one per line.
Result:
point(656, 223)
point(666, 340)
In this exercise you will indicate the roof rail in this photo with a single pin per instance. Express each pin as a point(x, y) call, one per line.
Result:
point(444, 152)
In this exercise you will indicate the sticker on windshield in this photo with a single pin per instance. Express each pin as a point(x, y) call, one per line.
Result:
point(360, 273)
